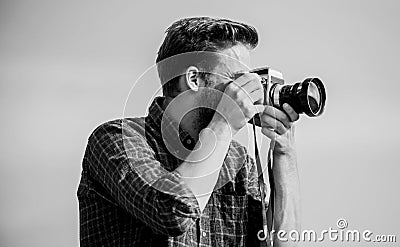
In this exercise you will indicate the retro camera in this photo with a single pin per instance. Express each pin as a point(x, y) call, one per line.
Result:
point(306, 97)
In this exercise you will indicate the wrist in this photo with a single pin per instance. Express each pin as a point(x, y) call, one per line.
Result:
point(220, 128)
point(285, 170)
point(285, 152)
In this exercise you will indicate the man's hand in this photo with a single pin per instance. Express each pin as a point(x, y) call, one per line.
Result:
point(236, 106)
point(278, 126)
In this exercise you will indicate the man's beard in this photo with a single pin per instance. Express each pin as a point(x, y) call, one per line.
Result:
point(206, 105)
point(200, 117)
point(205, 115)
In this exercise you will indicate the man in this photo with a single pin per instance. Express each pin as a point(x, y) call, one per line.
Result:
point(176, 177)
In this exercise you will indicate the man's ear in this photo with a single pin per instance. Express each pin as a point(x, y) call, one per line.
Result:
point(192, 78)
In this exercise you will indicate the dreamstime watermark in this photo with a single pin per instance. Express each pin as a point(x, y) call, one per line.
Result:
point(340, 233)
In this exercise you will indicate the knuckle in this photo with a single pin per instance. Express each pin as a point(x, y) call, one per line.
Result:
point(282, 128)
point(245, 105)
point(230, 88)
point(243, 76)
point(249, 75)
point(264, 131)
point(237, 93)
point(247, 112)
point(249, 109)
point(254, 75)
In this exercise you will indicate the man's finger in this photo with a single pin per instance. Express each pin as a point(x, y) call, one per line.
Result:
point(278, 114)
point(257, 96)
point(294, 116)
point(246, 78)
point(269, 133)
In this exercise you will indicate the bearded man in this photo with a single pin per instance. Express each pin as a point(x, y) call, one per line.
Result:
point(176, 177)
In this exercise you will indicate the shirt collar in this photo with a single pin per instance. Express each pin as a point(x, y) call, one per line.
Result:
point(170, 130)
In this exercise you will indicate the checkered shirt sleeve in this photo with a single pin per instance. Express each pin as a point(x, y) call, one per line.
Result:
point(114, 162)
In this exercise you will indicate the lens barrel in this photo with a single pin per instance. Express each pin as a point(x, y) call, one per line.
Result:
point(306, 97)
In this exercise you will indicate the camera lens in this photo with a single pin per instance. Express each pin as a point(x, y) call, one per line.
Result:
point(313, 96)
point(306, 97)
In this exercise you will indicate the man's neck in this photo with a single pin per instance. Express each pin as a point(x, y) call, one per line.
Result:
point(179, 113)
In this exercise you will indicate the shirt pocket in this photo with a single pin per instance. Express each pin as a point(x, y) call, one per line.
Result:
point(228, 219)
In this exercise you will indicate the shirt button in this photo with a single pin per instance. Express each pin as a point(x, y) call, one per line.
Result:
point(204, 234)
point(188, 141)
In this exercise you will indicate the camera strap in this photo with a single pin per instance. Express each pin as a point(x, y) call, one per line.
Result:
point(268, 223)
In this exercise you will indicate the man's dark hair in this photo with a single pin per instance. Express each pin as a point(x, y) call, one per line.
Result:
point(201, 34)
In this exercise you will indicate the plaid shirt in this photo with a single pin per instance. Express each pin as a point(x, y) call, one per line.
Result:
point(131, 195)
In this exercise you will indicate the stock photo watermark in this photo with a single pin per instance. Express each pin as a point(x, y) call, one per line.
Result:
point(340, 233)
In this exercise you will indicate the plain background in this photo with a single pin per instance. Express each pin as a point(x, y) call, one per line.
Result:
point(67, 66)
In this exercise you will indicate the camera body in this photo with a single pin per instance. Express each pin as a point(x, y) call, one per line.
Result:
point(270, 78)
point(306, 97)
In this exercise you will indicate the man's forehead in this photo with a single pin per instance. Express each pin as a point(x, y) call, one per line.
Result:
point(234, 59)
